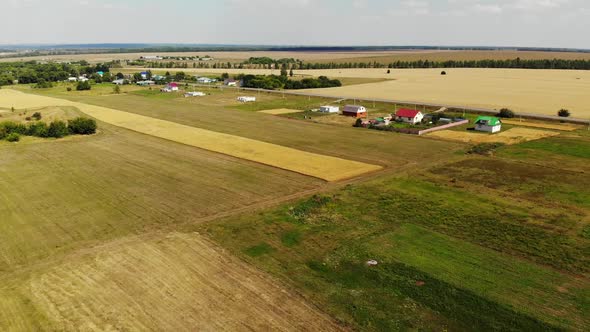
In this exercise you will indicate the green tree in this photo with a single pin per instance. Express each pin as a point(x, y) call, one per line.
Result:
point(563, 113)
point(117, 89)
point(82, 126)
point(81, 86)
point(506, 113)
point(284, 72)
point(291, 74)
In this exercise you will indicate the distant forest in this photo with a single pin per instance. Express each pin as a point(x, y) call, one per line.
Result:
point(511, 63)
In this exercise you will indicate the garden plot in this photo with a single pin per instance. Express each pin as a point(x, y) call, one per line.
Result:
point(510, 136)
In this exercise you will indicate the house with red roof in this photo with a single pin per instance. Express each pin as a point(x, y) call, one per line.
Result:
point(409, 116)
point(170, 87)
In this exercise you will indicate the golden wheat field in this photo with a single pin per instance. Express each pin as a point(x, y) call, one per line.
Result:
point(525, 91)
point(126, 285)
point(319, 166)
point(510, 136)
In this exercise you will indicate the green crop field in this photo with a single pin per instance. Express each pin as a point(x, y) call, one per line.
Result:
point(484, 243)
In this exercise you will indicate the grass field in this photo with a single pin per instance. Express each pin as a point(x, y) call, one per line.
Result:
point(510, 136)
point(476, 244)
point(544, 125)
point(127, 231)
point(319, 166)
point(279, 111)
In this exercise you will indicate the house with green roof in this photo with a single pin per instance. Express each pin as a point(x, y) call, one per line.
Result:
point(488, 124)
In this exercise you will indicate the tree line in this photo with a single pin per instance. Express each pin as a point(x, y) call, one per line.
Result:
point(11, 131)
point(35, 72)
point(274, 82)
point(509, 63)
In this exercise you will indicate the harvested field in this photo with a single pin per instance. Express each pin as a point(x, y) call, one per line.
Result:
point(127, 285)
point(524, 91)
point(280, 111)
point(562, 127)
point(510, 136)
point(319, 166)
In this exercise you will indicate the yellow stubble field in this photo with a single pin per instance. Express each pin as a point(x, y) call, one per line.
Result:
point(127, 285)
point(320, 166)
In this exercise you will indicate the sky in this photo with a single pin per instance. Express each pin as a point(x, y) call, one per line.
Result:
point(524, 23)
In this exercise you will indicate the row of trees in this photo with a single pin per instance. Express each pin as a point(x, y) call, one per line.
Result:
point(12, 131)
point(508, 113)
point(274, 82)
point(510, 63)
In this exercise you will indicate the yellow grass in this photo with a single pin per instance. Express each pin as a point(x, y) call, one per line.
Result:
point(319, 166)
point(279, 111)
point(510, 136)
point(523, 90)
point(526, 123)
point(127, 285)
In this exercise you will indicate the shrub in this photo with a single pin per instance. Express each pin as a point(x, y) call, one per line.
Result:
point(37, 116)
point(358, 123)
point(38, 129)
point(506, 113)
point(82, 126)
point(117, 89)
point(69, 89)
point(83, 86)
point(14, 137)
point(443, 72)
point(13, 127)
point(563, 113)
point(43, 84)
point(57, 129)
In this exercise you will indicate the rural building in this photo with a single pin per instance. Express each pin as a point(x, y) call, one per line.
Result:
point(158, 78)
point(100, 73)
point(170, 87)
point(194, 94)
point(409, 116)
point(150, 57)
point(329, 109)
point(205, 80)
point(119, 82)
point(146, 83)
point(82, 79)
point(354, 111)
point(230, 82)
point(488, 124)
point(144, 75)
point(72, 79)
point(245, 99)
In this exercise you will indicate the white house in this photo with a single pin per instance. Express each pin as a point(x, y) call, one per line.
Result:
point(245, 99)
point(488, 124)
point(82, 79)
point(205, 80)
point(194, 94)
point(146, 83)
point(329, 109)
point(409, 116)
point(230, 82)
point(72, 79)
point(356, 111)
point(119, 82)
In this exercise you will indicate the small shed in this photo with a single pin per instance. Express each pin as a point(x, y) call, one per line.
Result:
point(488, 124)
point(329, 109)
point(230, 82)
point(409, 116)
